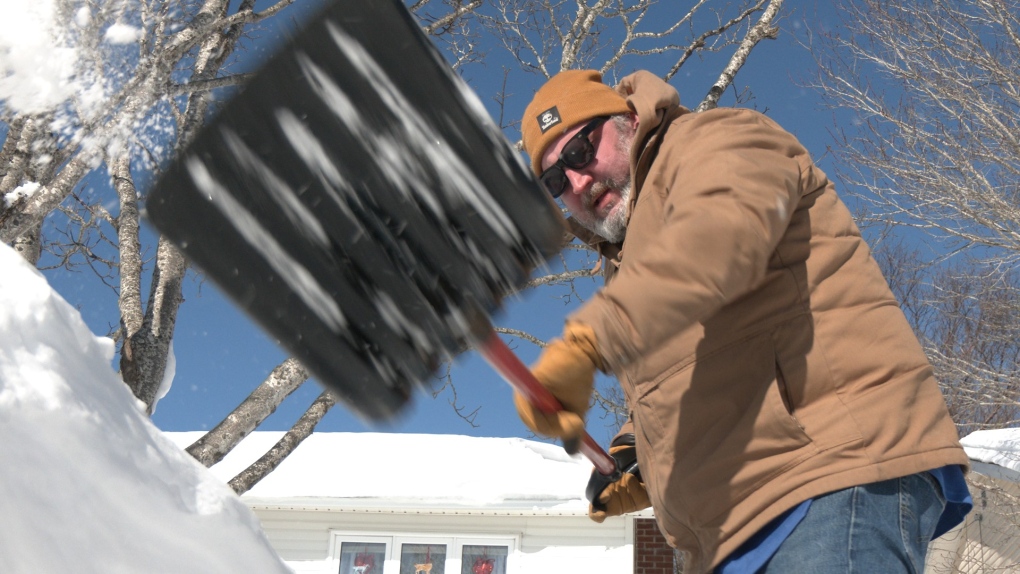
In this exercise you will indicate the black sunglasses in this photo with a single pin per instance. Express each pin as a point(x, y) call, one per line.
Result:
point(576, 153)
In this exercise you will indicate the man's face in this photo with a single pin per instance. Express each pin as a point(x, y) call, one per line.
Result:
point(598, 193)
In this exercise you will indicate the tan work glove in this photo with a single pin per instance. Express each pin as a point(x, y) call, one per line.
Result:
point(566, 368)
point(627, 494)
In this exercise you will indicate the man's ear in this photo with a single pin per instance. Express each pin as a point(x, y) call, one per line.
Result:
point(633, 122)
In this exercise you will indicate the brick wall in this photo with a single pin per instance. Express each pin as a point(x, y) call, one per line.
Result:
point(652, 555)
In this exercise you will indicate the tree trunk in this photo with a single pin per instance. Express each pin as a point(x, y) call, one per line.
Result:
point(144, 353)
point(302, 428)
point(214, 445)
point(29, 245)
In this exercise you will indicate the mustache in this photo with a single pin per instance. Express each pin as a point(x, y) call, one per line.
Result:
point(596, 190)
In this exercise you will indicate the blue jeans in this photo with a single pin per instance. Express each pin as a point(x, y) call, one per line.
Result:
point(879, 528)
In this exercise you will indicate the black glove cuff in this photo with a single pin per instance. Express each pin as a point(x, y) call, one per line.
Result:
point(596, 484)
point(626, 463)
point(625, 439)
point(626, 458)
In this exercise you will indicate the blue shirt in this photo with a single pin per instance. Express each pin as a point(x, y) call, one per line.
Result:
point(758, 549)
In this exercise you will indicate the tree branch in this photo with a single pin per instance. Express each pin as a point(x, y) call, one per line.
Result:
point(761, 30)
point(262, 402)
point(250, 476)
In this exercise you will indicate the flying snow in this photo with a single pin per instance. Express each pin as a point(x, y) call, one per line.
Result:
point(36, 67)
point(122, 34)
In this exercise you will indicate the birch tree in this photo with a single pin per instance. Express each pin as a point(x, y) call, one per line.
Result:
point(149, 72)
point(930, 92)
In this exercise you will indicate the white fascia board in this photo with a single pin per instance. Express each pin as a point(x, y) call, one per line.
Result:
point(417, 506)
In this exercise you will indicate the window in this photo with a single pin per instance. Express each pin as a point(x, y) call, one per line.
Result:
point(422, 558)
point(362, 557)
point(483, 559)
point(411, 554)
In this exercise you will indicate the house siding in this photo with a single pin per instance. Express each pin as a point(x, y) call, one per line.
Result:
point(545, 543)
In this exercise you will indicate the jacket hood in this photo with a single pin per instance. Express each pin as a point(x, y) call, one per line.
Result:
point(652, 99)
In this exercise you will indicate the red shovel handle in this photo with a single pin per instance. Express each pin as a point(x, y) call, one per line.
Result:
point(520, 378)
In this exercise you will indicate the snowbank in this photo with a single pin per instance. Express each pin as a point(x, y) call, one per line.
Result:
point(87, 483)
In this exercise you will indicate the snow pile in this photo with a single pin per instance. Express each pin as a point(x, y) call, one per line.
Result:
point(87, 483)
point(413, 470)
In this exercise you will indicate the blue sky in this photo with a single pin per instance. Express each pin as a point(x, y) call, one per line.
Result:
point(221, 355)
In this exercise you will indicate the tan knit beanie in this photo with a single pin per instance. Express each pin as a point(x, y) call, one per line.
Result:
point(567, 99)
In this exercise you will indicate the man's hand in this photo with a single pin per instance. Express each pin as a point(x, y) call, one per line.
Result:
point(627, 494)
point(566, 368)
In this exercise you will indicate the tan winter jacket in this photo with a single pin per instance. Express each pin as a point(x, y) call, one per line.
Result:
point(763, 357)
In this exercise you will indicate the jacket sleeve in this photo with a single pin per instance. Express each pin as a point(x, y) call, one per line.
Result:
point(729, 181)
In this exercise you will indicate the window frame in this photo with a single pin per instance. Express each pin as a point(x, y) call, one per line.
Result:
point(335, 545)
point(454, 542)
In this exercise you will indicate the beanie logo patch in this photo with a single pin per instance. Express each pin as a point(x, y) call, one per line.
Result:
point(548, 119)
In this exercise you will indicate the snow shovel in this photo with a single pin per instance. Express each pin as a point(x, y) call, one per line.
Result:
point(358, 202)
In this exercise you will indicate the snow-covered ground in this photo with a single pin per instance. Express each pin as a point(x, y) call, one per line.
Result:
point(87, 483)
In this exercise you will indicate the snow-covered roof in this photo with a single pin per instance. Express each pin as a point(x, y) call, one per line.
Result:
point(999, 447)
point(412, 472)
point(390, 472)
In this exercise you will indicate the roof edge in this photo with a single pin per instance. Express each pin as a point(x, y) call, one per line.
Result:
point(574, 507)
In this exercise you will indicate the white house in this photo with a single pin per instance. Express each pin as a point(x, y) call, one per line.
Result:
point(374, 503)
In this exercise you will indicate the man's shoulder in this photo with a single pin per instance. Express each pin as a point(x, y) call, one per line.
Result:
point(722, 113)
point(695, 124)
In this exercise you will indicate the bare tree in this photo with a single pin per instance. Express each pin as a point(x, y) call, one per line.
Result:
point(932, 91)
point(180, 59)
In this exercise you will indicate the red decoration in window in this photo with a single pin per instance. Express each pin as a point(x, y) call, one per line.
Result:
point(483, 566)
point(364, 563)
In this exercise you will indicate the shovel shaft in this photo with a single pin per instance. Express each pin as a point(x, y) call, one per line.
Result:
point(504, 361)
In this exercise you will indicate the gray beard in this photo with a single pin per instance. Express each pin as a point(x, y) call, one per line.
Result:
point(614, 227)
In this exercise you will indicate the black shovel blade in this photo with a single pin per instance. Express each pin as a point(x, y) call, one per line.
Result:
point(358, 203)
